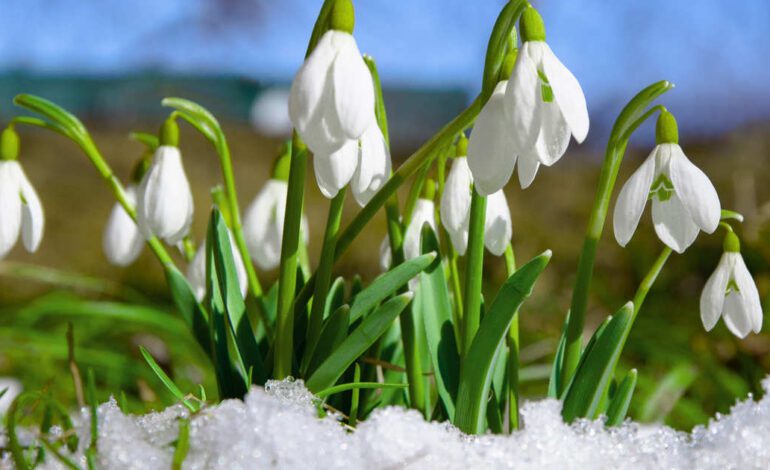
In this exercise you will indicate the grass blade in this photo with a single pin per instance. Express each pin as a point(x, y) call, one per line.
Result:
point(356, 386)
point(475, 381)
point(182, 444)
point(370, 329)
point(667, 393)
point(618, 408)
point(333, 333)
point(193, 313)
point(166, 380)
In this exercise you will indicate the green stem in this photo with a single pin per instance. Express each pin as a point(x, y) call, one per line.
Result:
point(513, 352)
point(474, 270)
point(323, 276)
point(649, 279)
point(287, 278)
point(630, 118)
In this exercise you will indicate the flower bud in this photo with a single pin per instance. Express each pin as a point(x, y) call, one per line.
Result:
point(731, 244)
point(9, 144)
point(169, 133)
point(666, 130)
point(508, 63)
point(343, 17)
point(531, 26)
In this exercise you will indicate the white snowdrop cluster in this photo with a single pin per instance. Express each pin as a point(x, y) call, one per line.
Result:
point(278, 427)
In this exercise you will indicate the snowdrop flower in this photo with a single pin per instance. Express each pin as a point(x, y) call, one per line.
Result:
point(544, 102)
point(332, 97)
point(683, 199)
point(122, 242)
point(335, 170)
point(424, 213)
point(731, 293)
point(374, 165)
point(263, 220)
point(164, 206)
point(196, 271)
point(456, 210)
point(20, 208)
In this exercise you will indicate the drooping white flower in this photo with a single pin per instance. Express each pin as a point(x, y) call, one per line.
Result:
point(122, 242)
point(332, 97)
point(335, 170)
point(164, 206)
point(683, 199)
point(456, 211)
point(424, 213)
point(196, 270)
point(263, 224)
point(730, 292)
point(374, 165)
point(20, 209)
point(544, 101)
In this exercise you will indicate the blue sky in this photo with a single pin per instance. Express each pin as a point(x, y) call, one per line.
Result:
point(715, 51)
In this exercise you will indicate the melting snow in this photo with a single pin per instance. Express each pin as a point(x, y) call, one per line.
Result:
point(278, 427)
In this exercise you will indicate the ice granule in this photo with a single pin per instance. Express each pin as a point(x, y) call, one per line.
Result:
point(278, 427)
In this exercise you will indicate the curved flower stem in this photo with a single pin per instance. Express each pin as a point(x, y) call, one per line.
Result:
point(629, 120)
point(513, 352)
point(649, 279)
point(323, 276)
point(474, 270)
point(287, 278)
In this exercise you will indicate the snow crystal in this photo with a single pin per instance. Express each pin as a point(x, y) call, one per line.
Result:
point(279, 427)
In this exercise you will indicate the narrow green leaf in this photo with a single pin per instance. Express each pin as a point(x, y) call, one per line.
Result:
point(166, 380)
point(436, 311)
point(198, 116)
point(618, 408)
point(554, 380)
point(94, 419)
point(335, 298)
point(597, 366)
point(52, 111)
point(193, 313)
point(229, 286)
point(388, 283)
point(182, 444)
point(370, 329)
point(354, 399)
point(333, 333)
point(149, 140)
point(356, 385)
point(668, 391)
point(475, 380)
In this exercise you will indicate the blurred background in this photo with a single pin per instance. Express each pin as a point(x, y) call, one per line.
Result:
point(110, 62)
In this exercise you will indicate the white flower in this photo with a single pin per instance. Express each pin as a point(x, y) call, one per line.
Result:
point(196, 270)
point(373, 167)
point(335, 170)
point(164, 201)
point(683, 199)
point(424, 213)
point(456, 212)
point(20, 209)
point(332, 97)
point(122, 242)
point(544, 101)
point(731, 293)
point(263, 224)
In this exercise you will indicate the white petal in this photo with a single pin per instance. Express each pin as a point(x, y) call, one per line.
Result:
point(521, 101)
point(736, 317)
point(122, 242)
point(528, 165)
point(164, 201)
point(712, 298)
point(749, 293)
point(456, 198)
point(497, 227)
point(240, 268)
point(632, 199)
point(385, 255)
point(554, 134)
point(374, 166)
point(196, 273)
point(309, 84)
point(695, 190)
point(353, 88)
point(263, 224)
point(10, 206)
point(423, 214)
point(32, 219)
point(334, 171)
point(567, 94)
point(491, 157)
point(673, 224)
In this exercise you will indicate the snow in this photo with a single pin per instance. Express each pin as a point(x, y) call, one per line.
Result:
point(278, 427)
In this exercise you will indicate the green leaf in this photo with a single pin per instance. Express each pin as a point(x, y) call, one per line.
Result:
point(386, 284)
point(52, 111)
point(357, 385)
point(475, 379)
point(597, 366)
point(166, 380)
point(618, 408)
point(359, 340)
point(333, 333)
point(149, 140)
point(193, 313)
point(436, 311)
point(668, 391)
point(182, 445)
point(229, 287)
point(199, 117)
point(554, 384)
point(335, 298)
